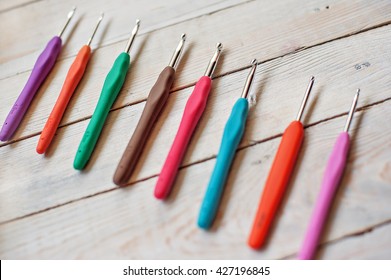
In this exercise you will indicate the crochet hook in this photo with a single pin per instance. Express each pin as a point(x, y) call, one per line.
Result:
point(41, 69)
point(156, 100)
point(193, 111)
point(331, 179)
point(233, 133)
point(279, 175)
point(111, 87)
point(75, 73)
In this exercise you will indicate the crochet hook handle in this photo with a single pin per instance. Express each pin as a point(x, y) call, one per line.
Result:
point(194, 108)
point(42, 68)
point(75, 73)
point(331, 179)
point(233, 133)
point(276, 182)
point(155, 102)
point(111, 87)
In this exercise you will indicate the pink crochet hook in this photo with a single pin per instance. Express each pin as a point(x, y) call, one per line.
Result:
point(42, 68)
point(331, 178)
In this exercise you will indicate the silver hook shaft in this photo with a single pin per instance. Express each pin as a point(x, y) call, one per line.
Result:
point(96, 28)
point(131, 39)
point(70, 15)
point(250, 78)
point(351, 112)
point(213, 62)
point(178, 51)
point(305, 99)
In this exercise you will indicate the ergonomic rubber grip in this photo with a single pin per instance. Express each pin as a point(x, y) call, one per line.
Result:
point(233, 133)
point(111, 87)
point(74, 75)
point(41, 69)
point(331, 178)
point(156, 100)
point(276, 182)
point(193, 111)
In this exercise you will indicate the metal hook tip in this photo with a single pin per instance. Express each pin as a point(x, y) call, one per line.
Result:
point(138, 22)
point(219, 46)
point(254, 62)
point(183, 37)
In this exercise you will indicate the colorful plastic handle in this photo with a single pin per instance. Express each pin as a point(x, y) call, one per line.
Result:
point(156, 100)
point(193, 111)
point(331, 178)
point(233, 133)
point(75, 73)
point(42, 68)
point(276, 183)
point(111, 87)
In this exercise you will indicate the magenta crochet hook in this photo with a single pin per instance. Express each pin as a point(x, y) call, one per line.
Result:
point(41, 69)
point(331, 178)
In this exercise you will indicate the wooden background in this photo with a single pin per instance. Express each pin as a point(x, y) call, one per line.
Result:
point(49, 210)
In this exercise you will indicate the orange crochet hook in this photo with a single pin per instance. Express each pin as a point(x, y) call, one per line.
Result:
point(75, 73)
point(279, 175)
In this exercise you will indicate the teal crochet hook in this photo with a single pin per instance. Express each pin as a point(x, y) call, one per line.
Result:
point(233, 133)
point(111, 87)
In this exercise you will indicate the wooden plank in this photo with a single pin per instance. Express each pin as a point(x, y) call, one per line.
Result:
point(7, 5)
point(130, 223)
point(297, 25)
point(375, 244)
point(279, 90)
point(30, 24)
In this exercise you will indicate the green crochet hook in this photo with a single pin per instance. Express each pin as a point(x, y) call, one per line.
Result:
point(111, 87)
point(233, 133)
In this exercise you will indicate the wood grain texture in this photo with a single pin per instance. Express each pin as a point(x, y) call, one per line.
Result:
point(268, 35)
point(48, 210)
point(32, 21)
point(279, 89)
point(7, 5)
point(375, 244)
point(130, 223)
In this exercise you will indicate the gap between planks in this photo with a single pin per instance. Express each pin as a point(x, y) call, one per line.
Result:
point(137, 87)
point(117, 203)
point(274, 80)
point(359, 109)
point(343, 238)
point(165, 24)
point(214, 78)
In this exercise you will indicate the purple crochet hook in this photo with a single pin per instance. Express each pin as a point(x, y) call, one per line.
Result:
point(41, 69)
point(331, 179)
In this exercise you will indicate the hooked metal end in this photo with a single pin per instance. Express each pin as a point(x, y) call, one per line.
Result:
point(250, 78)
point(305, 99)
point(95, 29)
point(351, 111)
point(69, 17)
point(213, 62)
point(178, 51)
point(134, 33)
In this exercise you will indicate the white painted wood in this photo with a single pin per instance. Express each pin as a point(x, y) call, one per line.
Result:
point(375, 244)
point(266, 36)
point(130, 223)
point(27, 30)
point(48, 210)
point(6, 5)
point(280, 91)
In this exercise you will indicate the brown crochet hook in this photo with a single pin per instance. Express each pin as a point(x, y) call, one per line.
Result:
point(156, 99)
